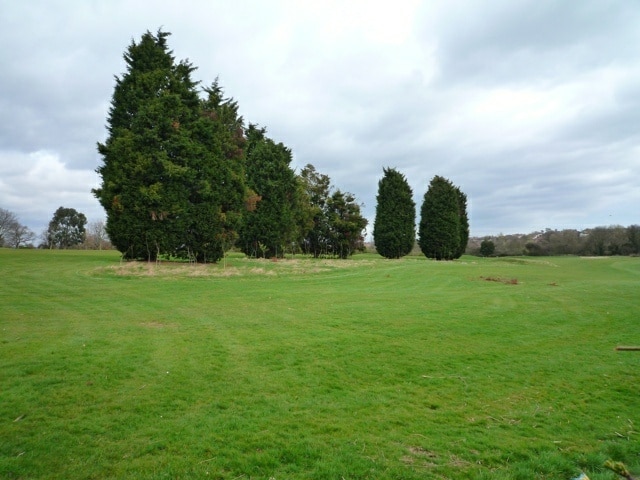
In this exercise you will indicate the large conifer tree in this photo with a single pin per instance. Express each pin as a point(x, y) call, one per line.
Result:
point(441, 221)
point(172, 166)
point(395, 222)
point(464, 222)
point(272, 225)
point(217, 193)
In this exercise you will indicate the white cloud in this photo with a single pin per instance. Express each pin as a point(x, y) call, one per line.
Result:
point(34, 185)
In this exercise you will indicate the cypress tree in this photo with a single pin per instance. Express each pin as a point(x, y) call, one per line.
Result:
point(394, 226)
point(172, 181)
point(272, 225)
point(217, 192)
point(153, 104)
point(464, 222)
point(440, 223)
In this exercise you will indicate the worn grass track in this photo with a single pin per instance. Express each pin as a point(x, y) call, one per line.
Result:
point(365, 368)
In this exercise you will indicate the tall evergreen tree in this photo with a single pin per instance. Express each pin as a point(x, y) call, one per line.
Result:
point(270, 228)
point(464, 223)
point(217, 190)
point(172, 169)
point(440, 223)
point(395, 222)
point(145, 156)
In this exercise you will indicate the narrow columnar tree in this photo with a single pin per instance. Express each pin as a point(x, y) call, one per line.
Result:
point(442, 222)
point(395, 222)
point(464, 223)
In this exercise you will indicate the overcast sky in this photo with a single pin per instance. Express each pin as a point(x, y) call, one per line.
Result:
point(531, 107)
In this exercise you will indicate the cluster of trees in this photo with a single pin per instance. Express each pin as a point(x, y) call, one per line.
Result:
point(444, 223)
point(182, 176)
point(599, 241)
point(67, 229)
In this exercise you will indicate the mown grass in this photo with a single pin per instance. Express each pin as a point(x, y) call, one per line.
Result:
point(302, 368)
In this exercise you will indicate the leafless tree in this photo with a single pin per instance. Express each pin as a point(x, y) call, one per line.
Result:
point(8, 220)
point(20, 235)
point(96, 236)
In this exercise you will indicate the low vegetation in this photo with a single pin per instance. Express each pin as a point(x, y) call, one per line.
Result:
point(310, 368)
point(599, 241)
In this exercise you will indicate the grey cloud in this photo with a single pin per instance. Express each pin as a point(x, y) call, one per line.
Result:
point(534, 40)
point(435, 102)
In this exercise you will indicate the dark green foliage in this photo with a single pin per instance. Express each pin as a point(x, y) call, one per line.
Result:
point(216, 193)
point(336, 221)
point(317, 188)
point(66, 228)
point(633, 233)
point(346, 224)
point(172, 172)
point(268, 229)
point(145, 157)
point(464, 222)
point(487, 248)
point(394, 226)
point(612, 240)
point(534, 249)
point(443, 223)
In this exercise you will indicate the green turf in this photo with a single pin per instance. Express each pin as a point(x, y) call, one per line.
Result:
point(315, 369)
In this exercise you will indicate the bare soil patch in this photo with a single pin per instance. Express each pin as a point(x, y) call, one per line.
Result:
point(506, 281)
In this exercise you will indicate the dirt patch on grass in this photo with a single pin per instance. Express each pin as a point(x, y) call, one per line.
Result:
point(157, 325)
point(168, 269)
point(419, 457)
point(238, 267)
point(506, 281)
point(422, 452)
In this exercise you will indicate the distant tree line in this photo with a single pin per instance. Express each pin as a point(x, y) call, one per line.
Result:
point(184, 177)
point(65, 230)
point(598, 241)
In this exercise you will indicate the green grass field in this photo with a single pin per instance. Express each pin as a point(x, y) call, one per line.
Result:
point(316, 369)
